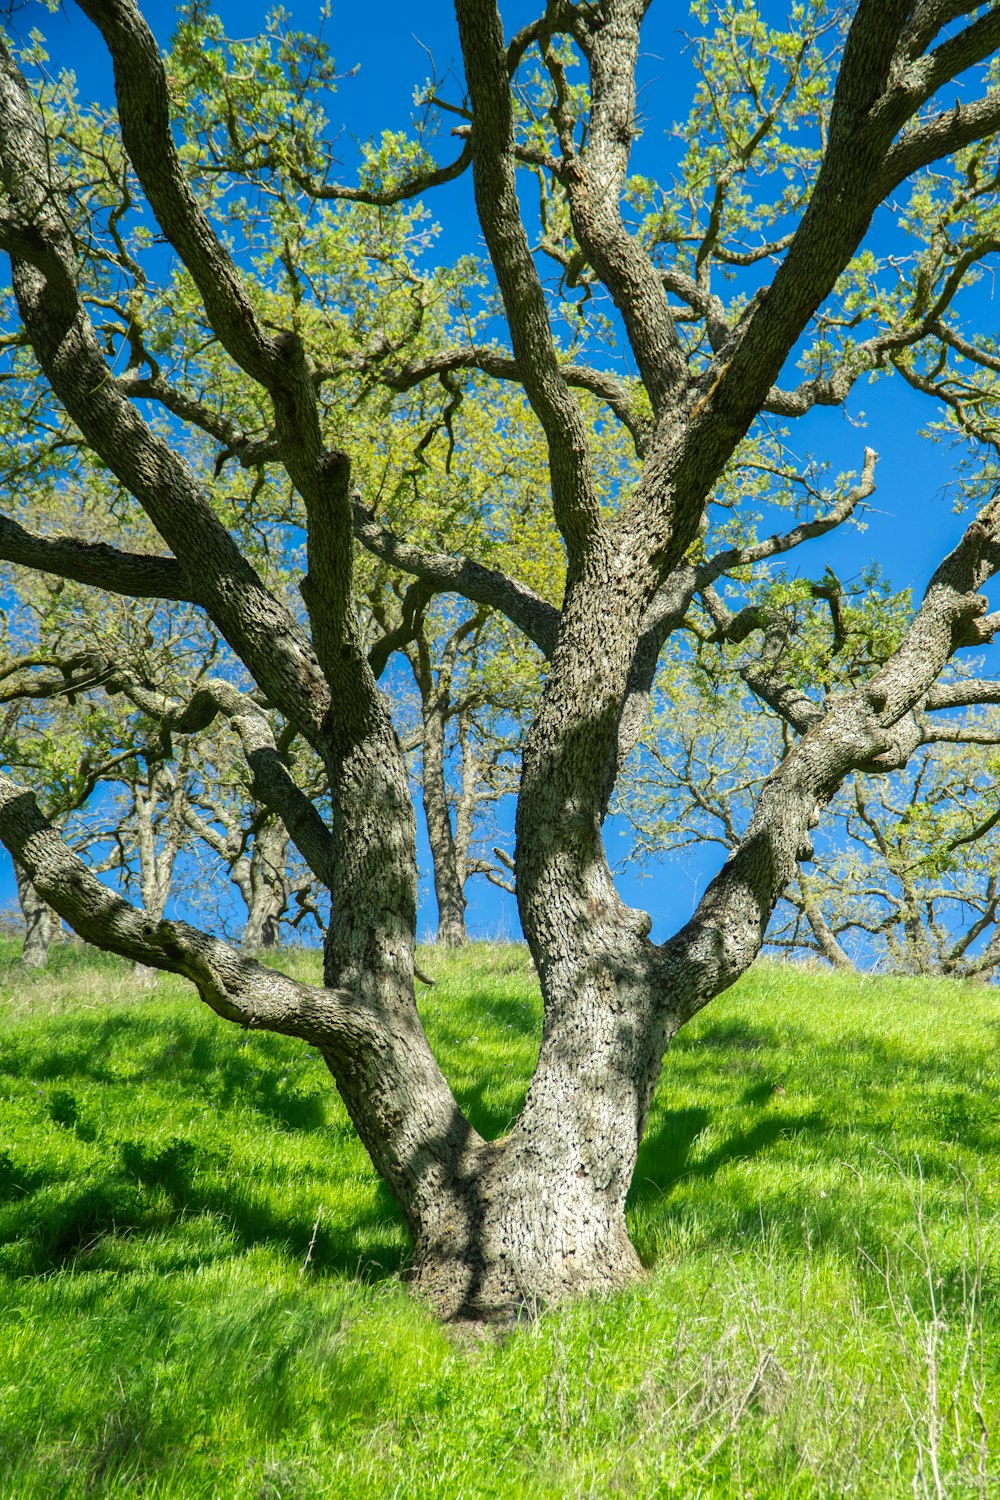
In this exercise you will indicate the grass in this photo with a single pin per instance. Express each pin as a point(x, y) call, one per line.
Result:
point(198, 1269)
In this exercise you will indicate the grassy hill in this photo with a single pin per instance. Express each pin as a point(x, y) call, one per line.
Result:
point(199, 1292)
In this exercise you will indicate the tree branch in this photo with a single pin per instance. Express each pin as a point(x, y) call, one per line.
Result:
point(965, 693)
point(234, 987)
point(773, 546)
point(940, 135)
point(502, 366)
point(380, 197)
point(574, 496)
point(272, 783)
point(532, 615)
point(874, 728)
point(139, 575)
point(260, 630)
point(144, 112)
point(595, 178)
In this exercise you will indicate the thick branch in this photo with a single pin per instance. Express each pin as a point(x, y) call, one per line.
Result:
point(941, 135)
point(595, 178)
point(875, 728)
point(278, 363)
point(144, 112)
point(574, 497)
point(260, 630)
point(965, 693)
point(235, 987)
point(137, 574)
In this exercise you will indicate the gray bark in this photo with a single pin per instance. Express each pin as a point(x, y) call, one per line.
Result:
point(825, 937)
point(38, 924)
point(449, 844)
point(446, 855)
point(263, 883)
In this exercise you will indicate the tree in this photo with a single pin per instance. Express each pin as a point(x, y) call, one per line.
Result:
point(63, 745)
point(784, 171)
point(88, 705)
point(904, 873)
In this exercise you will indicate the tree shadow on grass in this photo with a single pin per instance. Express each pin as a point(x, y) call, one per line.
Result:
point(665, 1154)
point(58, 1210)
point(492, 1120)
point(274, 1081)
point(149, 1191)
point(886, 1121)
point(481, 1065)
point(143, 1186)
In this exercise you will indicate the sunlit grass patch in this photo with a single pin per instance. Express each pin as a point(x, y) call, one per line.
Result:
point(199, 1271)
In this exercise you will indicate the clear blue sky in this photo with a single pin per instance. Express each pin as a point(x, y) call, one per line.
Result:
point(911, 525)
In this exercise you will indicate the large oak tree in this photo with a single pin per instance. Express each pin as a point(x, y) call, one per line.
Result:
point(806, 133)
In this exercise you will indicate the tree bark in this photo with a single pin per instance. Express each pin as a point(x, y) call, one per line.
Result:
point(449, 844)
point(826, 940)
point(38, 924)
point(264, 887)
point(449, 880)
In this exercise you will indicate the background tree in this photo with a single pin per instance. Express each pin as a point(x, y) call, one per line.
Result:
point(904, 868)
point(797, 137)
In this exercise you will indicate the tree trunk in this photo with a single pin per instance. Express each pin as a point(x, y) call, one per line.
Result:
point(543, 1215)
point(264, 887)
point(826, 940)
point(449, 881)
point(449, 854)
point(38, 927)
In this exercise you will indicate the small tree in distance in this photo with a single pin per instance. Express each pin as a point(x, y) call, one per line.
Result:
point(797, 136)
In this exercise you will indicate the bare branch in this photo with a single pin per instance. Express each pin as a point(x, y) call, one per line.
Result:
point(412, 187)
point(502, 366)
point(774, 546)
point(965, 693)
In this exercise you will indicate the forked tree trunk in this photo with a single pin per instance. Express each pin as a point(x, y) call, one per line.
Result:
point(540, 1215)
point(526, 1220)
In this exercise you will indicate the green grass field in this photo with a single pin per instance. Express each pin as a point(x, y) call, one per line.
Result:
point(199, 1290)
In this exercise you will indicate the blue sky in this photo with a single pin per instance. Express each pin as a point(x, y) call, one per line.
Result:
point(911, 523)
